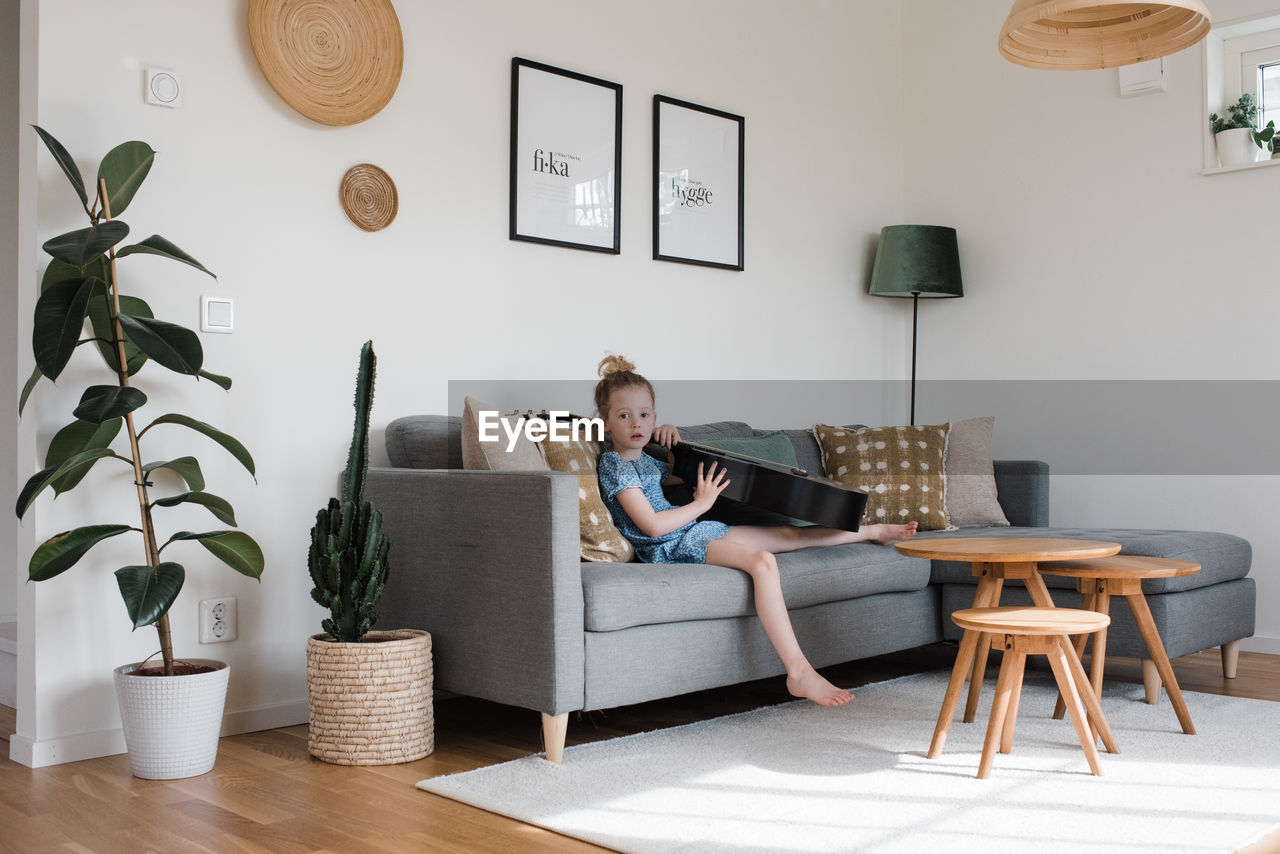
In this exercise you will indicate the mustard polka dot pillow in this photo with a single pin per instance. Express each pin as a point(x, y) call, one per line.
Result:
point(899, 468)
point(599, 538)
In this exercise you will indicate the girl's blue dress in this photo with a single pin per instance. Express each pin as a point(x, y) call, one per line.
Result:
point(683, 545)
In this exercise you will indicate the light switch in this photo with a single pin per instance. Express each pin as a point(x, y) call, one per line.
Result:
point(217, 314)
point(164, 88)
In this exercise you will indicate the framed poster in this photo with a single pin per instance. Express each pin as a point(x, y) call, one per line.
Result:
point(566, 157)
point(697, 184)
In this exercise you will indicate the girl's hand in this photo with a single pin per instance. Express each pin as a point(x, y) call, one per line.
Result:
point(666, 435)
point(709, 486)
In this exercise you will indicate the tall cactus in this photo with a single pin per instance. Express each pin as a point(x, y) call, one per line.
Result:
point(348, 556)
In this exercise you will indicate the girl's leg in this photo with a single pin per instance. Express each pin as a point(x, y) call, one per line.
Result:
point(786, 538)
point(802, 679)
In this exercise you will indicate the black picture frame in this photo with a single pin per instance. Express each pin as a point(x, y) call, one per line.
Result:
point(566, 158)
point(694, 158)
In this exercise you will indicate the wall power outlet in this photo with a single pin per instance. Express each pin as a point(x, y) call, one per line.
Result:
point(218, 620)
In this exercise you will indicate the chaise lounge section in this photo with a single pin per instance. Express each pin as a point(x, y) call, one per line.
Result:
point(489, 563)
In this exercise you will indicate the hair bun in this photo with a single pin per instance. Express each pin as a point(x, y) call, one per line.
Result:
point(614, 365)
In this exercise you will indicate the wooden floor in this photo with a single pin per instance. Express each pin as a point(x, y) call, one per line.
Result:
point(266, 794)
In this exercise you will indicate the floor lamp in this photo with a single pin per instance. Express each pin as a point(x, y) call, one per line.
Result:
point(916, 261)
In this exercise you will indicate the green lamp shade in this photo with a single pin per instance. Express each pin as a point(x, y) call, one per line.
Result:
point(917, 260)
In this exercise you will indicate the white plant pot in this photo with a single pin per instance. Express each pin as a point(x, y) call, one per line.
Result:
point(1237, 148)
point(171, 723)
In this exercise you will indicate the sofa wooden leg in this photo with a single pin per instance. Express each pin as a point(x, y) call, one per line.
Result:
point(1151, 681)
point(1230, 659)
point(554, 729)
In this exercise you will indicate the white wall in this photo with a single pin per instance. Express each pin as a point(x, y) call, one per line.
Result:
point(1093, 249)
point(9, 278)
point(249, 187)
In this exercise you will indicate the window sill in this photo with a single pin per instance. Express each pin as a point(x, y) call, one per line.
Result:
point(1218, 170)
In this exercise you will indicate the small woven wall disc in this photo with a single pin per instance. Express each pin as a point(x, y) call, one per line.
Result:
point(369, 197)
point(337, 62)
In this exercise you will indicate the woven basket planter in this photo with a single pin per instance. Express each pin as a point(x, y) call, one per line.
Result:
point(371, 701)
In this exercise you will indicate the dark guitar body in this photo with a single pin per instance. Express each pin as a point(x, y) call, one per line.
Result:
point(791, 492)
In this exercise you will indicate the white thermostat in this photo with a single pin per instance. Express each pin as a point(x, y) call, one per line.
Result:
point(217, 314)
point(164, 88)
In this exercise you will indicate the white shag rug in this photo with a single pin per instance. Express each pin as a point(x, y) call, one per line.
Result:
point(801, 778)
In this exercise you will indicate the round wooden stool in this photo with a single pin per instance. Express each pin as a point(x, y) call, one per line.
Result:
point(1034, 631)
point(1121, 575)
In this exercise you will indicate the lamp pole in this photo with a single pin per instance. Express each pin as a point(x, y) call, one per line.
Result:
point(915, 313)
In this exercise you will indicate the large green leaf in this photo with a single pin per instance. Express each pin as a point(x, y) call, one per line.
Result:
point(29, 387)
point(104, 330)
point(59, 320)
point(217, 379)
point(58, 554)
point(64, 160)
point(59, 271)
point(37, 483)
point(233, 446)
point(102, 402)
point(234, 548)
point(219, 507)
point(187, 468)
point(76, 438)
point(157, 245)
point(174, 346)
point(149, 591)
point(124, 167)
point(82, 246)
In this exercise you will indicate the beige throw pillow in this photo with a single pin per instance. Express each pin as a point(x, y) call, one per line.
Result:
point(600, 539)
point(494, 456)
point(900, 469)
point(971, 479)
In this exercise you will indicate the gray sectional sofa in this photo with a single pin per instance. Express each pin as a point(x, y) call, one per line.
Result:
point(489, 563)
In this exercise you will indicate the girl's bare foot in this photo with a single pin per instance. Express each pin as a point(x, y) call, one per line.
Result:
point(888, 534)
point(811, 686)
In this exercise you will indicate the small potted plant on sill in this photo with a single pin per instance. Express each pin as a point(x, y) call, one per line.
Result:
point(171, 712)
point(369, 692)
point(1238, 138)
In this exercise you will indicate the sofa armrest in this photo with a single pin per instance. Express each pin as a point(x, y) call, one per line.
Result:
point(1022, 488)
point(489, 563)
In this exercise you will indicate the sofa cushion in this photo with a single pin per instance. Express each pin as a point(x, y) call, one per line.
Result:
point(622, 595)
point(524, 455)
point(1222, 557)
point(899, 468)
point(425, 442)
point(971, 479)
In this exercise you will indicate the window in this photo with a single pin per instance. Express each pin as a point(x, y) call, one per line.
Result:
point(1242, 57)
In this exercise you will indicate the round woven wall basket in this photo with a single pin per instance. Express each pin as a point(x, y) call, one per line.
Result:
point(369, 197)
point(371, 701)
point(337, 62)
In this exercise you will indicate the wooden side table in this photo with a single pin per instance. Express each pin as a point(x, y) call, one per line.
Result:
point(1098, 579)
point(1032, 631)
point(994, 559)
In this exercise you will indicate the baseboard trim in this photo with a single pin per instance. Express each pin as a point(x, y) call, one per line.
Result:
point(92, 745)
point(1261, 643)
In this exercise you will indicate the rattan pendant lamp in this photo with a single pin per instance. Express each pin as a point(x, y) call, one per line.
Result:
point(1074, 35)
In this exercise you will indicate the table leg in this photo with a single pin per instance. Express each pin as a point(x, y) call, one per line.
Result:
point(1009, 669)
point(1089, 698)
point(1099, 661)
point(984, 646)
point(1146, 625)
point(964, 659)
point(1062, 671)
point(1060, 707)
point(1011, 717)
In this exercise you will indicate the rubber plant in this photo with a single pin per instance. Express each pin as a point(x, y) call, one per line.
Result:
point(81, 284)
point(348, 555)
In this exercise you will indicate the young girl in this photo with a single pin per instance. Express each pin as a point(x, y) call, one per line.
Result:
point(630, 482)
